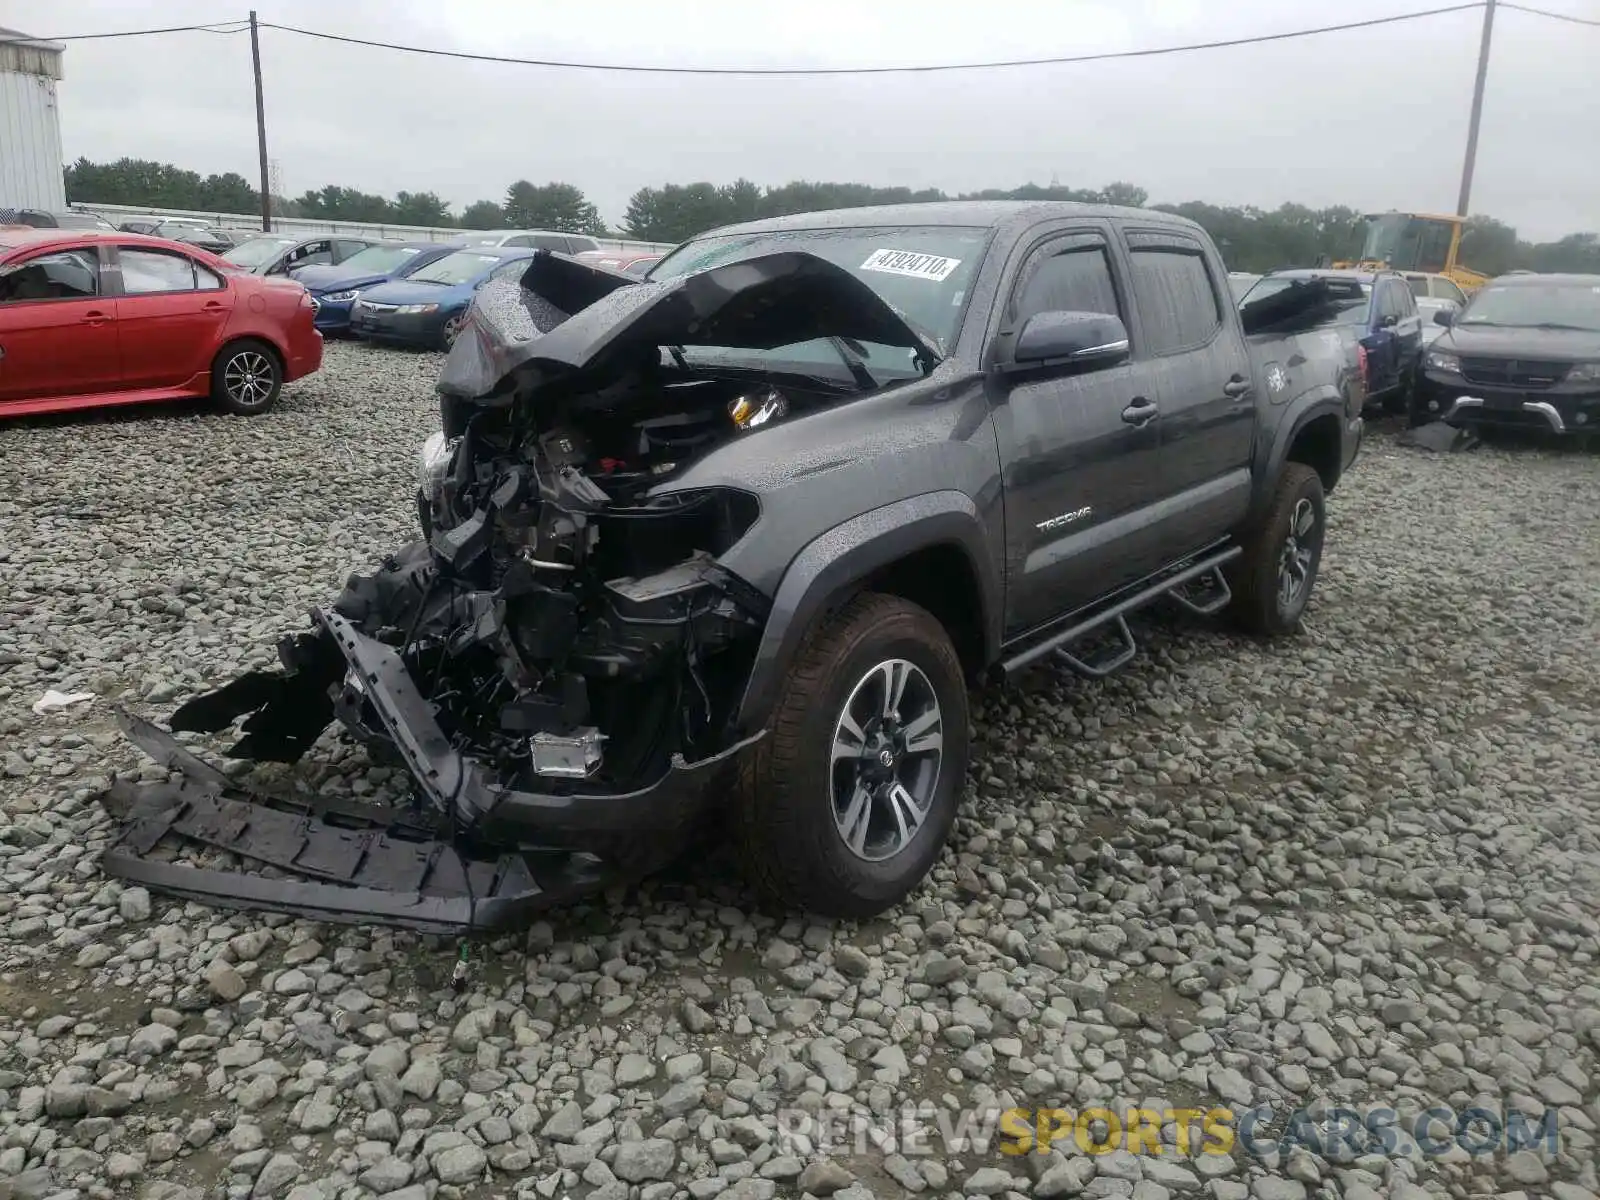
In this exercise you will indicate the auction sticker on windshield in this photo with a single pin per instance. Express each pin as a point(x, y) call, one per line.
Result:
point(932, 267)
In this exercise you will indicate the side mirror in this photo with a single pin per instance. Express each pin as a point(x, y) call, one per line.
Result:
point(1071, 337)
point(1445, 317)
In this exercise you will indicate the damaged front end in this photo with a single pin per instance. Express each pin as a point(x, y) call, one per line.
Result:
point(558, 660)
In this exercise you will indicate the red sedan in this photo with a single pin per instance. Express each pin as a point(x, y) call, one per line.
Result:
point(91, 318)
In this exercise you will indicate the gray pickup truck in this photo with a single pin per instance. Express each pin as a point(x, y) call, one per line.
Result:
point(731, 543)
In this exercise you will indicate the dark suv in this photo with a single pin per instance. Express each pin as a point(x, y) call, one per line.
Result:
point(1524, 352)
point(732, 542)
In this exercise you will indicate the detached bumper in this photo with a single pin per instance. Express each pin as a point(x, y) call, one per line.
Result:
point(332, 316)
point(332, 861)
point(467, 858)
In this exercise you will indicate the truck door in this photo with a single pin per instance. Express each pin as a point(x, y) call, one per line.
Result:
point(1207, 395)
point(1079, 444)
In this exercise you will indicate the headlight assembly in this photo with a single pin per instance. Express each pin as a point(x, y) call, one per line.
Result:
point(1437, 360)
point(433, 463)
point(341, 297)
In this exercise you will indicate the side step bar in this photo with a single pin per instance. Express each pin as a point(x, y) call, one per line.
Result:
point(1210, 600)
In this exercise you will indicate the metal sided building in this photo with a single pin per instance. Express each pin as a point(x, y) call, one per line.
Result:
point(30, 127)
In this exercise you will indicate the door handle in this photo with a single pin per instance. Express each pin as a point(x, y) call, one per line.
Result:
point(1236, 387)
point(94, 317)
point(213, 305)
point(1141, 412)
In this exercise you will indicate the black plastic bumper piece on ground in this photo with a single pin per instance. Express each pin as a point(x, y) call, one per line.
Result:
point(345, 862)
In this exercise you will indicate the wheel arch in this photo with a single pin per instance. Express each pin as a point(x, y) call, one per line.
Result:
point(1310, 432)
point(929, 550)
point(233, 340)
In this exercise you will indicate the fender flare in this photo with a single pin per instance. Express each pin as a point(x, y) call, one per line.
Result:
point(827, 567)
point(1323, 400)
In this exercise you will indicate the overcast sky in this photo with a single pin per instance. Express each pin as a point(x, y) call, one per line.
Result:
point(1373, 118)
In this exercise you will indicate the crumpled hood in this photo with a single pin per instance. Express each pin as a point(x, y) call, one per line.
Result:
point(336, 279)
point(568, 316)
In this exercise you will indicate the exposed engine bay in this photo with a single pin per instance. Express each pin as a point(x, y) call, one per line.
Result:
point(560, 653)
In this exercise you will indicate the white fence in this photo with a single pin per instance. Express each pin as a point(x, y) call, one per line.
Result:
point(311, 227)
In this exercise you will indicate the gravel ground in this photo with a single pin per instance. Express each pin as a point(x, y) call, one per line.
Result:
point(1358, 868)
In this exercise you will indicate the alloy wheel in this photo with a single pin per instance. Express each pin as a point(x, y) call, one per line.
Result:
point(249, 378)
point(1298, 556)
point(888, 746)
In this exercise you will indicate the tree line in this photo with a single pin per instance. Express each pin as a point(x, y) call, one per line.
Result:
point(1251, 238)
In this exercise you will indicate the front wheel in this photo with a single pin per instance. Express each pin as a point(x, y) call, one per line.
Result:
point(844, 807)
point(246, 378)
point(1273, 578)
point(451, 329)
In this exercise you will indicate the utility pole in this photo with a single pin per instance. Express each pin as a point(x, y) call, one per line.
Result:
point(261, 126)
point(1477, 108)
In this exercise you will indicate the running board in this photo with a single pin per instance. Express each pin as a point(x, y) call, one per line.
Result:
point(1211, 596)
point(1115, 615)
point(1109, 660)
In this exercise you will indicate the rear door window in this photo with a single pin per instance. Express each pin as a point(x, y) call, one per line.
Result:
point(146, 272)
point(60, 275)
point(1177, 298)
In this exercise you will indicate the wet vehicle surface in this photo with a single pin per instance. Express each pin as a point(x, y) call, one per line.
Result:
point(735, 538)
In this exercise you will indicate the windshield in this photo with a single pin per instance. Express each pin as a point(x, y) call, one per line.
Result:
point(1546, 305)
point(257, 251)
point(377, 260)
point(1240, 285)
point(1409, 243)
point(461, 267)
point(923, 272)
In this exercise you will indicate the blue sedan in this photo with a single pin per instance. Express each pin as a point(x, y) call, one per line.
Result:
point(426, 308)
point(334, 288)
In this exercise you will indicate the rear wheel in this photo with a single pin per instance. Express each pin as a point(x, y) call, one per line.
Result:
point(845, 806)
point(1273, 578)
point(246, 378)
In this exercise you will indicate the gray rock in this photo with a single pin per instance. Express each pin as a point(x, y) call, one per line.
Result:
point(824, 1178)
point(134, 904)
point(649, 1158)
point(459, 1164)
point(280, 1171)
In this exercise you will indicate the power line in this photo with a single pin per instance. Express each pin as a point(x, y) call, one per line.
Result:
point(1058, 60)
point(236, 27)
point(241, 26)
point(1554, 16)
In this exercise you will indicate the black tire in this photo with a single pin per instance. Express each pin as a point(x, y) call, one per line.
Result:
point(246, 377)
point(1260, 601)
point(1402, 400)
point(784, 807)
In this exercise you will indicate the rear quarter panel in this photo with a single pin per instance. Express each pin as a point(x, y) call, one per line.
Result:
point(278, 313)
